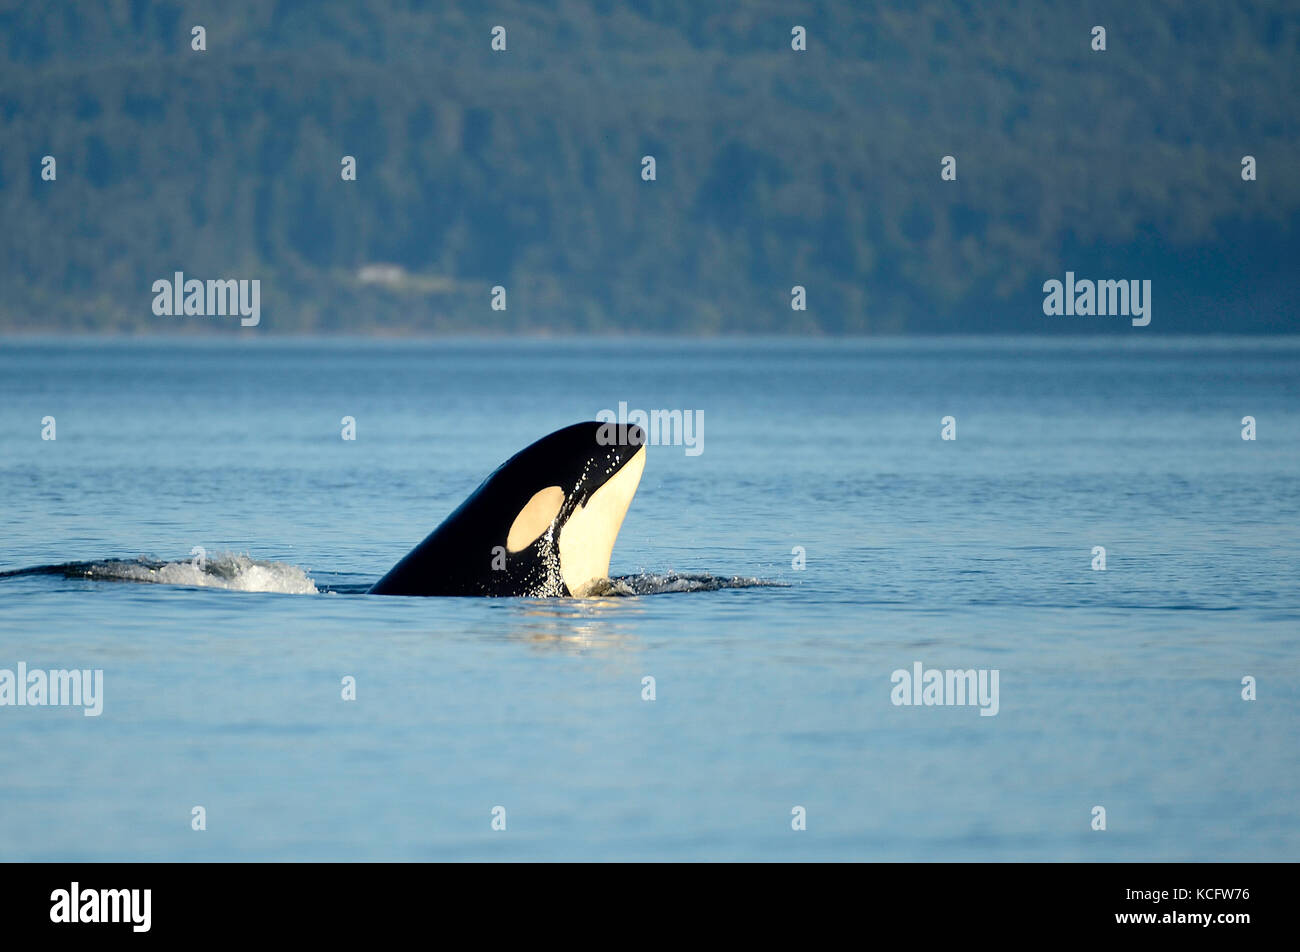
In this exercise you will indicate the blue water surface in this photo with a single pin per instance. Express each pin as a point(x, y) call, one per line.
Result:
point(1119, 688)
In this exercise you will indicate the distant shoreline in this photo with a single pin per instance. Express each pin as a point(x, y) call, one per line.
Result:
point(1136, 339)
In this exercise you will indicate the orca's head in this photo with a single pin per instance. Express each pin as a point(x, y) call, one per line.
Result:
point(563, 499)
point(544, 523)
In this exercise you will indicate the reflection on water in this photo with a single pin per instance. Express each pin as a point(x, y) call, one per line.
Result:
point(584, 624)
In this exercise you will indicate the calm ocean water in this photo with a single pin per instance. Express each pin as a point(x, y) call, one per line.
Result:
point(1119, 688)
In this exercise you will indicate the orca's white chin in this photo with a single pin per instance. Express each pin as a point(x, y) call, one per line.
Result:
point(587, 537)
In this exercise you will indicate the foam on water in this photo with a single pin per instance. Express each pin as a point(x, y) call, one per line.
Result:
point(233, 571)
point(653, 583)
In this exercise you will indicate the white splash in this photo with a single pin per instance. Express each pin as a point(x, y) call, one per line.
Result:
point(231, 571)
point(652, 583)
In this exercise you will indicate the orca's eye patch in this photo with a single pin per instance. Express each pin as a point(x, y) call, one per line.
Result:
point(535, 518)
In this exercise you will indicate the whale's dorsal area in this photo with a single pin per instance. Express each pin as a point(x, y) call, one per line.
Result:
point(542, 524)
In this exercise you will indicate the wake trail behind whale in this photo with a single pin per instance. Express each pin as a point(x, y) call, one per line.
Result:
point(242, 573)
point(230, 571)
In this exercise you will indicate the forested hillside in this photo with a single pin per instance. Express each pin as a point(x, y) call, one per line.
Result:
point(523, 168)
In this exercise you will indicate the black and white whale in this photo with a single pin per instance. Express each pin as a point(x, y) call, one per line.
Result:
point(542, 524)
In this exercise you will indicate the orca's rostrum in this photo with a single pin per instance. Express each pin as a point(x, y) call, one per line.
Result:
point(542, 524)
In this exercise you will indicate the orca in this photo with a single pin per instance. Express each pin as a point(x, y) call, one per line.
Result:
point(543, 524)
